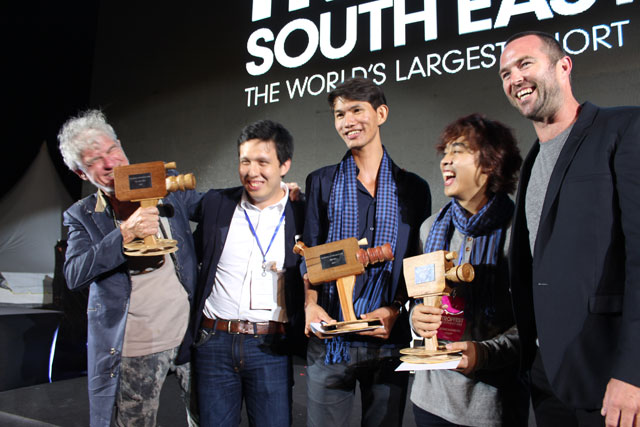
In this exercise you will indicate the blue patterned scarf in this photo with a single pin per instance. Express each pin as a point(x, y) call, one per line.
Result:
point(487, 229)
point(343, 217)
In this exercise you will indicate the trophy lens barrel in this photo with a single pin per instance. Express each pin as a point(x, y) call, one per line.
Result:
point(180, 182)
point(461, 273)
point(375, 255)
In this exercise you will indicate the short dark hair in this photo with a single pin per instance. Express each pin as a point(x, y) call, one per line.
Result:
point(553, 47)
point(498, 153)
point(358, 89)
point(267, 130)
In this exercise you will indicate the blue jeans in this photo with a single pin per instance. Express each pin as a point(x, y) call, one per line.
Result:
point(331, 388)
point(230, 368)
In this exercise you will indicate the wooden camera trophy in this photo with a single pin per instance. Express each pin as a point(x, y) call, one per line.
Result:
point(147, 183)
point(428, 276)
point(342, 261)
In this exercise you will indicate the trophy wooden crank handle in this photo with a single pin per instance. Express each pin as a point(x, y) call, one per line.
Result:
point(299, 248)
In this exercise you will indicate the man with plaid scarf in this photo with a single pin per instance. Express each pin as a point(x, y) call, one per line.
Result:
point(364, 196)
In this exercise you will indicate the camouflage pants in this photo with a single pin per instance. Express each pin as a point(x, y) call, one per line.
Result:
point(141, 380)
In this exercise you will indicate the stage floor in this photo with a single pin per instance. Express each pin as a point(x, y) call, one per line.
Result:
point(65, 403)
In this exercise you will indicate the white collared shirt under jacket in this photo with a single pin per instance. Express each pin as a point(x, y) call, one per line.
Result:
point(241, 259)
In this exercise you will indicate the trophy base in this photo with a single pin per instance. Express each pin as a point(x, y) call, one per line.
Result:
point(424, 355)
point(351, 326)
point(424, 352)
point(140, 248)
point(431, 359)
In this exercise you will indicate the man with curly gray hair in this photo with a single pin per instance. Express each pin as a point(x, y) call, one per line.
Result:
point(75, 136)
point(138, 309)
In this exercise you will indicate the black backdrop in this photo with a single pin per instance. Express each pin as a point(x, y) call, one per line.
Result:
point(172, 77)
point(48, 50)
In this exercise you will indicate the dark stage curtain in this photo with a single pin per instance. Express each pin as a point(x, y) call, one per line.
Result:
point(48, 56)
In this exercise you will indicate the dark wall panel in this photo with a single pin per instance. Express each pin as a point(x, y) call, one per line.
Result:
point(173, 77)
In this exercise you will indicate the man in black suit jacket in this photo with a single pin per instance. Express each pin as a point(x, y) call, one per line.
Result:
point(575, 249)
point(249, 314)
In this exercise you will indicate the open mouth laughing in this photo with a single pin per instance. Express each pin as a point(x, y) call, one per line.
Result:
point(449, 177)
point(523, 94)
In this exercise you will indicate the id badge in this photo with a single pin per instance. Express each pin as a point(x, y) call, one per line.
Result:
point(263, 289)
point(453, 321)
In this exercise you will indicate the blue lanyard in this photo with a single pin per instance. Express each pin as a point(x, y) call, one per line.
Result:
point(264, 253)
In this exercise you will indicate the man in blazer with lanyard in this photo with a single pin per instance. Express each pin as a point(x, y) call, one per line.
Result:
point(249, 314)
point(575, 248)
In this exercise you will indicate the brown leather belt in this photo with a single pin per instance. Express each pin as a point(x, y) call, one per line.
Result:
point(243, 326)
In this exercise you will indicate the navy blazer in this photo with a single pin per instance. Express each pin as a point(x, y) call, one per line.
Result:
point(217, 210)
point(580, 291)
point(414, 200)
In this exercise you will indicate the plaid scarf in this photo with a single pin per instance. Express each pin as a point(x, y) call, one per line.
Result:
point(487, 229)
point(343, 217)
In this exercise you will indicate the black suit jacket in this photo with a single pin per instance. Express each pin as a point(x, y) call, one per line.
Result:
point(580, 291)
point(216, 213)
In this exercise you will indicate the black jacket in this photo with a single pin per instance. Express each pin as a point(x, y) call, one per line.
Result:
point(580, 291)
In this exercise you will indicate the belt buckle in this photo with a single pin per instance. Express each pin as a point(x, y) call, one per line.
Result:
point(229, 328)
